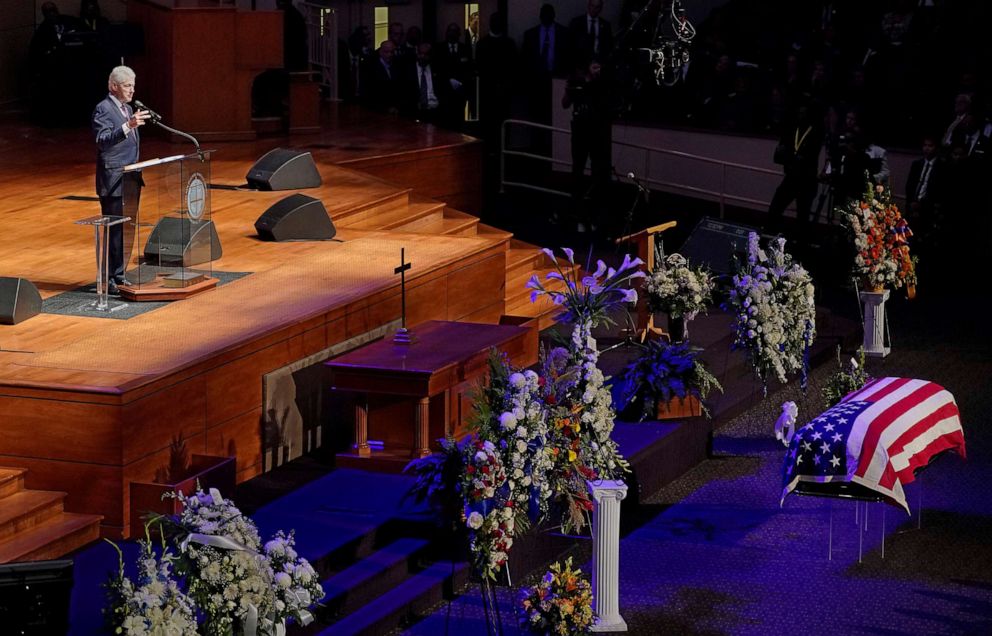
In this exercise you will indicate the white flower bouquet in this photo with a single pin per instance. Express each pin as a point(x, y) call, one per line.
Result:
point(775, 315)
point(678, 289)
point(154, 604)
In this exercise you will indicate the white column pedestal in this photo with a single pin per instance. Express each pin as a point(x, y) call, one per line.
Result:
point(606, 496)
point(874, 304)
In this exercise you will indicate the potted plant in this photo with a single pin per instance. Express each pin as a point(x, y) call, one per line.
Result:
point(667, 380)
point(184, 474)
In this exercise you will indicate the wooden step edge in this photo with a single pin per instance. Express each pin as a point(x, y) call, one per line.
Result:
point(398, 217)
point(454, 226)
point(26, 509)
point(494, 232)
point(386, 203)
point(53, 538)
point(11, 481)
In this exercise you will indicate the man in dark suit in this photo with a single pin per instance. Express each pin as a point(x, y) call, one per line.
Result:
point(453, 58)
point(592, 36)
point(380, 80)
point(115, 125)
point(427, 92)
point(924, 186)
point(545, 53)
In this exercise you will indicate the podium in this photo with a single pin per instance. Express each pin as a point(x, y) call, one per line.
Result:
point(101, 239)
point(171, 240)
point(645, 243)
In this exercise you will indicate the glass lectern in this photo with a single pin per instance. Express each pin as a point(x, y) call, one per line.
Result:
point(171, 240)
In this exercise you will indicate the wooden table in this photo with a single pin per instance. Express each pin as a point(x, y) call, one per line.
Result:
point(443, 357)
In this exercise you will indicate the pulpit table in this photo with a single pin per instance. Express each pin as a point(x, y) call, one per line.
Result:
point(444, 357)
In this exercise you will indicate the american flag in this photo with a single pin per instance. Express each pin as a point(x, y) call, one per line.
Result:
point(876, 437)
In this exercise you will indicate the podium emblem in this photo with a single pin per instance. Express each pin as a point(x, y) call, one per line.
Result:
point(196, 196)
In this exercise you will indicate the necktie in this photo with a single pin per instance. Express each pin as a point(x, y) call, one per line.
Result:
point(594, 34)
point(921, 190)
point(423, 89)
point(546, 49)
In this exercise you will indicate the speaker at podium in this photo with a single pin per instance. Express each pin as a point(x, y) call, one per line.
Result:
point(284, 169)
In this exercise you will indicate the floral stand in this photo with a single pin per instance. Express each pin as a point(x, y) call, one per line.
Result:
point(874, 317)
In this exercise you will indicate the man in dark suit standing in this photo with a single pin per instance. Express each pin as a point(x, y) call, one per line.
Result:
point(545, 55)
point(427, 91)
point(380, 80)
point(592, 36)
point(798, 152)
point(115, 125)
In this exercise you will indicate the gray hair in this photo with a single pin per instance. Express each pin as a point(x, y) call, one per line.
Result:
point(120, 75)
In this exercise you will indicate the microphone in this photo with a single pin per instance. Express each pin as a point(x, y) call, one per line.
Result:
point(154, 116)
point(640, 186)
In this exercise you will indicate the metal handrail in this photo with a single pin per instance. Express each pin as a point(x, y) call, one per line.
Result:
point(722, 195)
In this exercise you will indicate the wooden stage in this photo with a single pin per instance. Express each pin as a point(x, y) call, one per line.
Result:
point(89, 405)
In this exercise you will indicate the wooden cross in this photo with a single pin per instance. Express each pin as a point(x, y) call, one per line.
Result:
point(403, 335)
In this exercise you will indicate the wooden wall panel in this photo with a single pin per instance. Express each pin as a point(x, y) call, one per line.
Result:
point(241, 437)
point(74, 431)
point(146, 468)
point(477, 285)
point(153, 421)
point(236, 386)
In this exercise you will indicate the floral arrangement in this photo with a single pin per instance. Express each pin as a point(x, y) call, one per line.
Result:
point(775, 316)
point(574, 385)
point(559, 605)
point(232, 583)
point(849, 378)
point(153, 604)
point(678, 289)
point(592, 297)
point(881, 236)
point(663, 371)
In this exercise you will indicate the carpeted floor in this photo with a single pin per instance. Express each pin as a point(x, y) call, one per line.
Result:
point(77, 301)
point(714, 553)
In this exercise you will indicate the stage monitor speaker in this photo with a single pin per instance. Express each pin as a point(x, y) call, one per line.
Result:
point(284, 169)
point(295, 218)
point(19, 300)
point(716, 244)
point(180, 241)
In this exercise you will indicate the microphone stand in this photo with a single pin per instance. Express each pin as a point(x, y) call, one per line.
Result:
point(158, 122)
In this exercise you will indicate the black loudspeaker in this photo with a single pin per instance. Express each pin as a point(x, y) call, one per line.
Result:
point(19, 300)
point(716, 244)
point(295, 218)
point(176, 241)
point(284, 169)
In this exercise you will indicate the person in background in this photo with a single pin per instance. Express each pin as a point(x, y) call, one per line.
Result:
point(592, 100)
point(798, 152)
point(592, 36)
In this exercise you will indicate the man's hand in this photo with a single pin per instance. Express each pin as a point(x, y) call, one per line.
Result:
point(138, 119)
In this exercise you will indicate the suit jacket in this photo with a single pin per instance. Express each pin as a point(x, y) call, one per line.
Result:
point(380, 90)
point(531, 52)
point(935, 182)
point(457, 65)
point(114, 148)
point(583, 44)
point(410, 83)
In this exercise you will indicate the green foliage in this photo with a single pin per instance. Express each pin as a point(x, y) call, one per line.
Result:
point(849, 377)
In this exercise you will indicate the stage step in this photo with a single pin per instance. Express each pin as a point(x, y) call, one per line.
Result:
point(370, 578)
point(407, 601)
point(405, 219)
point(375, 210)
point(52, 538)
point(11, 481)
point(33, 524)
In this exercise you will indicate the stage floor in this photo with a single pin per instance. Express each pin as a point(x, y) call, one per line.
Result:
point(91, 404)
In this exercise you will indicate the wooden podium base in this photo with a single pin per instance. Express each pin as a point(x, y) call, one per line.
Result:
point(158, 291)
